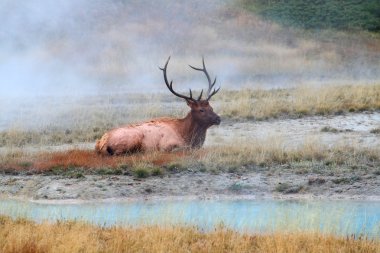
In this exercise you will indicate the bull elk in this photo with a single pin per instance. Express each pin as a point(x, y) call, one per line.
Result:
point(165, 134)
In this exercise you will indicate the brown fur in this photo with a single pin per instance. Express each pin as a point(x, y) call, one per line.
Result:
point(165, 134)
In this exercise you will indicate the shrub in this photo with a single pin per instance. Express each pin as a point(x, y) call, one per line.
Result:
point(157, 172)
point(141, 173)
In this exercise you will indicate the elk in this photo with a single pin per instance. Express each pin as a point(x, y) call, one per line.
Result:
point(165, 134)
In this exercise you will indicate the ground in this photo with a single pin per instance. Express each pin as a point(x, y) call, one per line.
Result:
point(343, 174)
point(189, 184)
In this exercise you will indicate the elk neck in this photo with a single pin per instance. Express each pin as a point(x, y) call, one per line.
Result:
point(193, 132)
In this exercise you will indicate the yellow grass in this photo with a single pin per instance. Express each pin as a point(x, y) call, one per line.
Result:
point(263, 104)
point(23, 236)
point(272, 150)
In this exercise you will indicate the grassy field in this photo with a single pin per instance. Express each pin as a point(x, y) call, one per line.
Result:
point(299, 102)
point(90, 118)
point(234, 158)
point(23, 236)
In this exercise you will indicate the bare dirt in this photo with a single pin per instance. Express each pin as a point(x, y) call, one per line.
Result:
point(255, 185)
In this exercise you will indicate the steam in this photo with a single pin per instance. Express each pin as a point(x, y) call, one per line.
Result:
point(78, 48)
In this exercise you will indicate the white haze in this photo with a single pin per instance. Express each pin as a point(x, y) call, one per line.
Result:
point(78, 48)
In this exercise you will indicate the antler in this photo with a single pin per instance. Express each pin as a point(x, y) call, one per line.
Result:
point(210, 85)
point(170, 85)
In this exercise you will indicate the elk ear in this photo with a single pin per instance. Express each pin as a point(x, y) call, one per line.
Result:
point(190, 103)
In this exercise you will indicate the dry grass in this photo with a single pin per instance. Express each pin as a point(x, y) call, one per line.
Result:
point(233, 157)
point(82, 159)
point(298, 102)
point(23, 236)
point(242, 156)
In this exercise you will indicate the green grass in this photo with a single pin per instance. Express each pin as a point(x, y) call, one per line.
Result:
point(141, 172)
point(289, 188)
point(328, 14)
point(329, 129)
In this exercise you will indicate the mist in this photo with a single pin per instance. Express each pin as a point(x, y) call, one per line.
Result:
point(78, 48)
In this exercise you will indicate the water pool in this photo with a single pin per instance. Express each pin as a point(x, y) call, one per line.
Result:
point(338, 217)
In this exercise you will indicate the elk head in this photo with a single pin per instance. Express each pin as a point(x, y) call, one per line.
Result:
point(201, 110)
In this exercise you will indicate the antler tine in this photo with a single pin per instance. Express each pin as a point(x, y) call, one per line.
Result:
point(170, 85)
point(203, 70)
point(213, 93)
point(210, 85)
point(200, 95)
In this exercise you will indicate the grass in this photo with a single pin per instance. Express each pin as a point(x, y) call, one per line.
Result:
point(328, 129)
point(282, 187)
point(346, 180)
point(246, 104)
point(25, 236)
point(85, 161)
point(245, 156)
point(319, 15)
point(232, 158)
point(299, 102)
point(141, 172)
point(288, 189)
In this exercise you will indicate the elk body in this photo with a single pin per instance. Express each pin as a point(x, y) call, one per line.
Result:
point(165, 134)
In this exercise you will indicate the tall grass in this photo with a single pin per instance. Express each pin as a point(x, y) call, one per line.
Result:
point(311, 156)
point(299, 102)
point(23, 236)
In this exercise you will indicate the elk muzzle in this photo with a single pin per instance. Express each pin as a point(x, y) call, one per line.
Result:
point(216, 121)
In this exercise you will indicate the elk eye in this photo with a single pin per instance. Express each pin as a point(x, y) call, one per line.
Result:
point(201, 110)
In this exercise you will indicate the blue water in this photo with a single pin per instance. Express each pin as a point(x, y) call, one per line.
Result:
point(337, 217)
